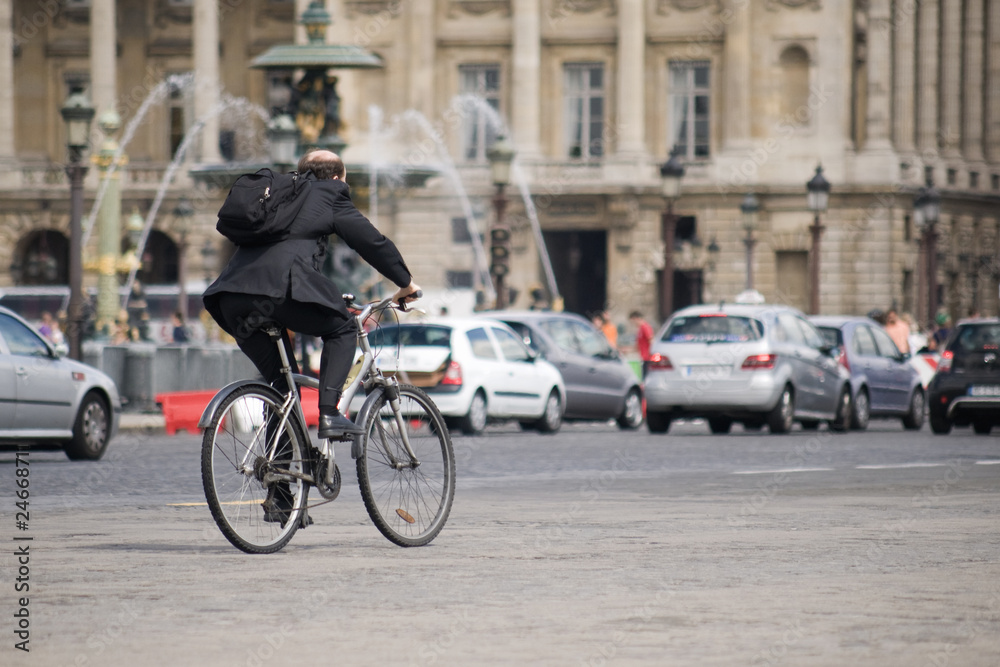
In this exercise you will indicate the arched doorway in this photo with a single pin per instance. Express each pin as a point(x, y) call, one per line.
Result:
point(159, 259)
point(41, 258)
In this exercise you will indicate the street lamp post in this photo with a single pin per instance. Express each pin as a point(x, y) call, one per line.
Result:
point(500, 155)
point(927, 207)
point(182, 215)
point(77, 113)
point(818, 189)
point(749, 208)
point(671, 173)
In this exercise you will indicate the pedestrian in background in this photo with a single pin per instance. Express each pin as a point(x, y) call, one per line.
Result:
point(606, 327)
point(180, 332)
point(898, 330)
point(643, 338)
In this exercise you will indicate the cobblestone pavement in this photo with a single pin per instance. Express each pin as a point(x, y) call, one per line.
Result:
point(592, 547)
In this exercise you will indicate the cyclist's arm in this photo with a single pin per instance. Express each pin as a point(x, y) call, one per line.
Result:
point(362, 237)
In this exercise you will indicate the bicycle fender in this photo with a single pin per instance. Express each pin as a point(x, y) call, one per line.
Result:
point(223, 394)
point(362, 418)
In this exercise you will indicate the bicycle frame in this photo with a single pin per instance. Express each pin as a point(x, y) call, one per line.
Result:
point(368, 377)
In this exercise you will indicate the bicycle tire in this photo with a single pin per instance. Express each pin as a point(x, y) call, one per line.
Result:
point(409, 506)
point(233, 461)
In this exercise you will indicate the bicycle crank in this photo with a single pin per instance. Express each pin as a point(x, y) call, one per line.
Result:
point(332, 490)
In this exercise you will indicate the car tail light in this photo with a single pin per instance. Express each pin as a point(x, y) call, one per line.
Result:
point(453, 375)
point(660, 362)
point(842, 358)
point(758, 362)
point(944, 363)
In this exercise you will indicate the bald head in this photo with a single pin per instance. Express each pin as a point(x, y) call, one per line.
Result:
point(325, 164)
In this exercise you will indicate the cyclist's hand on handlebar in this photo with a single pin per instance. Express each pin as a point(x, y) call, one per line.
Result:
point(405, 295)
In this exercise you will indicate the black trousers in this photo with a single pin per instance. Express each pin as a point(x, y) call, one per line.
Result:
point(245, 314)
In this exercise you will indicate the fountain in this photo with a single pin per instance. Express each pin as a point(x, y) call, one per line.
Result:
point(314, 106)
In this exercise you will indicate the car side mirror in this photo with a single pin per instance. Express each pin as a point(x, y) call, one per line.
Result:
point(829, 350)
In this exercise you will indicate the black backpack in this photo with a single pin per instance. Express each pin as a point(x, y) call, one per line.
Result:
point(260, 207)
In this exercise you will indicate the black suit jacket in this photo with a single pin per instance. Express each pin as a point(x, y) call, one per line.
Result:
point(292, 268)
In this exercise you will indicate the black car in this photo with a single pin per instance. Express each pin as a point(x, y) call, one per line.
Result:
point(600, 385)
point(966, 387)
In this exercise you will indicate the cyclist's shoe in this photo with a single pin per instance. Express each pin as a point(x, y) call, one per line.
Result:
point(336, 426)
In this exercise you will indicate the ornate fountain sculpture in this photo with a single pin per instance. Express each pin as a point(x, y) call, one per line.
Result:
point(312, 119)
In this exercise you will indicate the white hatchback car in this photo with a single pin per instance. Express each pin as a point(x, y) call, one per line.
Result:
point(475, 370)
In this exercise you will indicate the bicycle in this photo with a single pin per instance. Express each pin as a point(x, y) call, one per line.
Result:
point(256, 451)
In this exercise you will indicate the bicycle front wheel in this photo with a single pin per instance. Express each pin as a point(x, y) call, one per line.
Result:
point(408, 501)
point(245, 458)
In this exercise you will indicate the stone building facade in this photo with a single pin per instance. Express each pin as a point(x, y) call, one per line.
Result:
point(593, 93)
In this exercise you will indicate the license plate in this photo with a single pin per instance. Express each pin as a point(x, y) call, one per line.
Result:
point(706, 371)
point(984, 390)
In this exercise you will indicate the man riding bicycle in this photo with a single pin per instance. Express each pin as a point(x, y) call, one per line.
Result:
point(283, 283)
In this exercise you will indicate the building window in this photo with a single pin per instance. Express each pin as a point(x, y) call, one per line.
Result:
point(479, 132)
point(279, 90)
point(995, 181)
point(952, 176)
point(974, 180)
point(689, 108)
point(180, 110)
point(795, 86)
point(460, 231)
point(458, 279)
point(584, 118)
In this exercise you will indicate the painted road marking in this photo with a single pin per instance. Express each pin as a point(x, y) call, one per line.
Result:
point(779, 471)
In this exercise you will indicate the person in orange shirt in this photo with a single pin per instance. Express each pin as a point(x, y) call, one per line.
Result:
point(604, 324)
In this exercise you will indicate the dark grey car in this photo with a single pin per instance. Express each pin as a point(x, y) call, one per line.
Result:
point(600, 385)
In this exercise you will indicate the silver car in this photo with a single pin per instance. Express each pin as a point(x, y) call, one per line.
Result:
point(756, 364)
point(47, 399)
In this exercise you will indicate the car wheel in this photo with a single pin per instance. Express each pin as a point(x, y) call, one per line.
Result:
point(720, 425)
point(982, 428)
point(914, 419)
point(861, 411)
point(780, 418)
point(551, 419)
point(631, 416)
point(474, 421)
point(940, 424)
point(842, 419)
point(91, 429)
point(809, 424)
point(657, 422)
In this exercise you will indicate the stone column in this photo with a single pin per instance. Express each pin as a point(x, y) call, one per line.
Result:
point(951, 77)
point(904, 77)
point(879, 75)
point(631, 74)
point(973, 135)
point(737, 56)
point(993, 83)
point(422, 39)
point(525, 99)
point(351, 109)
point(206, 76)
point(103, 56)
point(927, 79)
point(7, 150)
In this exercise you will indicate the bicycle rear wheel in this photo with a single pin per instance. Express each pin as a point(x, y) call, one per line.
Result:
point(241, 451)
point(408, 504)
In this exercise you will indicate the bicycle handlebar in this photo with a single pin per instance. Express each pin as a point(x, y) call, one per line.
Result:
point(387, 302)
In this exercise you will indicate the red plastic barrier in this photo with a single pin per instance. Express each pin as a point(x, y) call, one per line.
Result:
point(183, 409)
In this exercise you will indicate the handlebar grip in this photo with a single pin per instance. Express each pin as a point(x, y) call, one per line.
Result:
point(402, 302)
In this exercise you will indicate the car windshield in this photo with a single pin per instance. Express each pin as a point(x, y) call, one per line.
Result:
point(713, 328)
point(420, 335)
point(977, 338)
